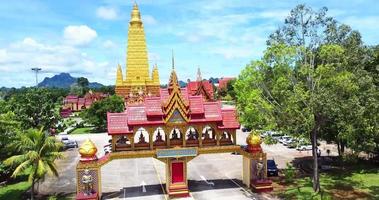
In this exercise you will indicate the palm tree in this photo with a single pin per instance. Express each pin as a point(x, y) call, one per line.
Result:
point(37, 155)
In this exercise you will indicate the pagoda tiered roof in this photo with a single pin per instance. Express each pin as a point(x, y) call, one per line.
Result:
point(158, 110)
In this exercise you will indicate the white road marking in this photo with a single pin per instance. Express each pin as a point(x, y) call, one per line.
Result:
point(160, 180)
point(208, 182)
point(143, 186)
point(240, 186)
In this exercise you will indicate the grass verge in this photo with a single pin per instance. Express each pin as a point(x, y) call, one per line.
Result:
point(14, 191)
point(355, 184)
point(83, 130)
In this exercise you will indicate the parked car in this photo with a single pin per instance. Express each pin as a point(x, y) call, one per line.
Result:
point(304, 147)
point(287, 142)
point(272, 168)
point(107, 148)
point(284, 138)
point(293, 144)
point(67, 143)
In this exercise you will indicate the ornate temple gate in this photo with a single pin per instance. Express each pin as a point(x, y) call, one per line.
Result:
point(176, 159)
point(89, 175)
point(190, 126)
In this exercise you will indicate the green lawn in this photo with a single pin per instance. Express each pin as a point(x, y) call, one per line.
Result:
point(363, 184)
point(83, 130)
point(14, 191)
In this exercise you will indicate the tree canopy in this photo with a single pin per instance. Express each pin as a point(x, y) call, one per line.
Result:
point(313, 81)
point(97, 113)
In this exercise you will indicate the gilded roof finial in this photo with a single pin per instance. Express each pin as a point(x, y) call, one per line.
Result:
point(135, 16)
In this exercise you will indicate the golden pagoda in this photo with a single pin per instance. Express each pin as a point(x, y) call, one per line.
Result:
point(137, 83)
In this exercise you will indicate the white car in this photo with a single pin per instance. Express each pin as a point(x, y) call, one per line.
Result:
point(287, 142)
point(304, 147)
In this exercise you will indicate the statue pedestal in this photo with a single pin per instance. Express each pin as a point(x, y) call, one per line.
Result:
point(81, 196)
point(264, 185)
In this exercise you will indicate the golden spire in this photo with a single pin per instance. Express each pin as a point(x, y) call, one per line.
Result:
point(119, 80)
point(137, 66)
point(135, 16)
point(155, 75)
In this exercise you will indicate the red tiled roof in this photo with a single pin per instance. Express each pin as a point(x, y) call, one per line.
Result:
point(223, 82)
point(151, 113)
point(196, 104)
point(193, 86)
point(153, 106)
point(81, 100)
point(136, 114)
point(164, 94)
point(212, 110)
point(229, 119)
point(118, 123)
point(71, 99)
point(184, 92)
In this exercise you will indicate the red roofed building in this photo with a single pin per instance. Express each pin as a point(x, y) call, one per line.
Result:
point(175, 118)
point(223, 82)
point(76, 103)
point(201, 87)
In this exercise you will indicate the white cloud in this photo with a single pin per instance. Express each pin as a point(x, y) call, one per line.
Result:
point(3, 55)
point(108, 44)
point(366, 25)
point(107, 13)
point(79, 35)
point(18, 57)
point(148, 19)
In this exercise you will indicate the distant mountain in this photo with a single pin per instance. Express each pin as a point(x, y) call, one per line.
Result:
point(64, 80)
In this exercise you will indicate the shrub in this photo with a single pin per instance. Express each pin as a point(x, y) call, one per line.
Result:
point(289, 173)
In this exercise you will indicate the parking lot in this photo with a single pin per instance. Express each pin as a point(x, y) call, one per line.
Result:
point(213, 176)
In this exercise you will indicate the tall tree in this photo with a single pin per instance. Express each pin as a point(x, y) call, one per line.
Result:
point(97, 113)
point(34, 108)
point(312, 79)
point(83, 85)
point(37, 153)
point(9, 128)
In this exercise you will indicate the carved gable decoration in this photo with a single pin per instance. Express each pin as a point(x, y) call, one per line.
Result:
point(176, 117)
point(176, 108)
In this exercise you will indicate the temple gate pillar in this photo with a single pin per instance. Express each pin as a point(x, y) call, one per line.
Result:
point(255, 166)
point(246, 170)
point(88, 181)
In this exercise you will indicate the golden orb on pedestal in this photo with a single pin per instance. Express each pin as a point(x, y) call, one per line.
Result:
point(88, 149)
point(253, 139)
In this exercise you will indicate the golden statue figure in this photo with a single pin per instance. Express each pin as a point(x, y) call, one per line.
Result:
point(87, 181)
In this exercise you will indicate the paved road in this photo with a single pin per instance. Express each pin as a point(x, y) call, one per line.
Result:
point(212, 176)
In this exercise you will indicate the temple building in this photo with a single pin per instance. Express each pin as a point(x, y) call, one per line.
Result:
point(201, 87)
point(137, 82)
point(75, 103)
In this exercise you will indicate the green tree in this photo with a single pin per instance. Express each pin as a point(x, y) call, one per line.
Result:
point(9, 128)
point(37, 155)
point(97, 113)
point(34, 108)
point(83, 85)
point(230, 88)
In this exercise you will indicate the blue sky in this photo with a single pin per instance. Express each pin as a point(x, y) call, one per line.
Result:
point(88, 38)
